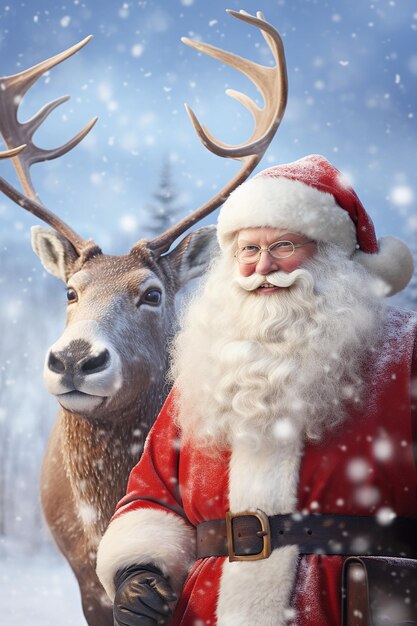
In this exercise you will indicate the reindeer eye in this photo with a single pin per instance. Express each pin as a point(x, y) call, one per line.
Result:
point(71, 295)
point(152, 296)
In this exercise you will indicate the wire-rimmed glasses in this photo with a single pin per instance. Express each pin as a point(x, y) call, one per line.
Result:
point(251, 253)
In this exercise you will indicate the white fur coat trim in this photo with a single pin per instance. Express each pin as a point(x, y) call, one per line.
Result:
point(146, 536)
point(258, 593)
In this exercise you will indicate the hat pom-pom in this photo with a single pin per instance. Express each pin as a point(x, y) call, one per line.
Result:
point(393, 263)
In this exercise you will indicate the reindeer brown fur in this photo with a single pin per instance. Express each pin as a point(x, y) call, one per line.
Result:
point(93, 446)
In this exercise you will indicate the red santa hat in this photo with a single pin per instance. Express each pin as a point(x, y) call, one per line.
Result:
point(311, 197)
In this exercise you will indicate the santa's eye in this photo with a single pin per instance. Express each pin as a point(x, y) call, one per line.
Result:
point(249, 250)
point(281, 246)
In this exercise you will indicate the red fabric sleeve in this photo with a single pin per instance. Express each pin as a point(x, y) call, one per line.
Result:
point(153, 482)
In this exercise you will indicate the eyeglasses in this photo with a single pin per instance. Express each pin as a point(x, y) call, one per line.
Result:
point(251, 253)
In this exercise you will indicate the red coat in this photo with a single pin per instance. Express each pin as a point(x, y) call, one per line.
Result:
point(364, 466)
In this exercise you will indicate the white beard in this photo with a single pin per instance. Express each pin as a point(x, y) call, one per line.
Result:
point(255, 369)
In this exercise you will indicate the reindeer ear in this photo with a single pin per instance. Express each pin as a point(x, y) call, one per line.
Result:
point(193, 254)
point(56, 253)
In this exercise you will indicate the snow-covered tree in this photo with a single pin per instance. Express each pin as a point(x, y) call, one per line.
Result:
point(165, 210)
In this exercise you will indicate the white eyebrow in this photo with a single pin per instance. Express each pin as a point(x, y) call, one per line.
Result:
point(280, 238)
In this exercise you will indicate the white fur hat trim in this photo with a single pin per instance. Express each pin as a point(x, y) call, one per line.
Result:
point(290, 204)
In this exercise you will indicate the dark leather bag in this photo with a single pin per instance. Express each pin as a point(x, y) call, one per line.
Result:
point(379, 591)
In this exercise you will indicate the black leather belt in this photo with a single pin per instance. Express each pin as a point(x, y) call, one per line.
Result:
point(250, 536)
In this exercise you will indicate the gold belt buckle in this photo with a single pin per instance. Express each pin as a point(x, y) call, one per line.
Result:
point(264, 532)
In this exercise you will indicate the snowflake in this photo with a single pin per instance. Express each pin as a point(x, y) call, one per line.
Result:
point(402, 195)
point(137, 50)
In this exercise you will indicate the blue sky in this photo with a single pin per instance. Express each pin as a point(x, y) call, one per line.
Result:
point(352, 69)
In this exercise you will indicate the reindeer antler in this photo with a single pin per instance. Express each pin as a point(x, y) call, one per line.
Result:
point(7, 154)
point(12, 90)
point(272, 83)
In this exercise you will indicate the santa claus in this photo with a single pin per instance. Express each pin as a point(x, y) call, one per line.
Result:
point(284, 453)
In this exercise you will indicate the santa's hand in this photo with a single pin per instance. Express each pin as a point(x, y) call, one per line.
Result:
point(143, 595)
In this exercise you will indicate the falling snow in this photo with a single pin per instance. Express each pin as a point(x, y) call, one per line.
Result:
point(385, 515)
point(284, 430)
point(383, 449)
point(65, 21)
point(137, 50)
point(352, 99)
point(402, 195)
point(358, 469)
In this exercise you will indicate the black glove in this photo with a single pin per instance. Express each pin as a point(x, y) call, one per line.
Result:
point(142, 597)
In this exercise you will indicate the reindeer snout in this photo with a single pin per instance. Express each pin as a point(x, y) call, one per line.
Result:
point(96, 363)
point(84, 364)
point(73, 363)
point(55, 363)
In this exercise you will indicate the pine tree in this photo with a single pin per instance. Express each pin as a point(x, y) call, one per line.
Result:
point(165, 210)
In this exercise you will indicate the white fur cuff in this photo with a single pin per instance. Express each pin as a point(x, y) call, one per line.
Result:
point(146, 536)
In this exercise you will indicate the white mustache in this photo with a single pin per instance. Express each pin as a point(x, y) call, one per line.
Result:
point(278, 279)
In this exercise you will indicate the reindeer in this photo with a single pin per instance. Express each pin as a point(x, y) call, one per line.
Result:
point(108, 368)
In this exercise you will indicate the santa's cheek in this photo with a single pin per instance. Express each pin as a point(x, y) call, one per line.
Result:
point(293, 263)
point(247, 270)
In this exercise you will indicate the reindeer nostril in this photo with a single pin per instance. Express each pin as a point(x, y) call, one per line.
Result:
point(96, 363)
point(55, 364)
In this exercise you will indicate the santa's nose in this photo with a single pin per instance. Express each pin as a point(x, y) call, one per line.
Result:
point(266, 263)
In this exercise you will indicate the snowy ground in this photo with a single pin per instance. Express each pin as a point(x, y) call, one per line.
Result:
point(38, 590)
